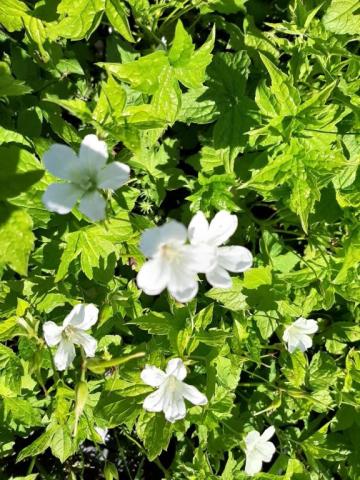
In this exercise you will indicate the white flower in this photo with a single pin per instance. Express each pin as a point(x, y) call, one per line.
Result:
point(86, 174)
point(232, 259)
point(258, 450)
point(171, 390)
point(102, 432)
point(298, 334)
point(172, 265)
point(81, 318)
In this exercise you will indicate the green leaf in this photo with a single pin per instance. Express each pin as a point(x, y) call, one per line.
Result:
point(198, 106)
point(226, 6)
point(9, 86)
point(16, 238)
point(12, 13)
point(37, 446)
point(23, 412)
point(61, 443)
point(111, 103)
point(11, 369)
point(190, 70)
point(281, 87)
point(255, 277)
point(18, 171)
point(79, 22)
point(231, 298)
point(143, 74)
point(156, 323)
point(115, 409)
point(93, 244)
point(116, 13)
point(155, 432)
point(322, 371)
point(8, 328)
point(343, 17)
point(167, 98)
point(182, 47)
point(351, 255)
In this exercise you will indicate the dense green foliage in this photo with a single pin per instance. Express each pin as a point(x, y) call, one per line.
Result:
point(247, 106)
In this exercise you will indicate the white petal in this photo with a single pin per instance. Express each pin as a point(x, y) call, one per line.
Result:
point(253, 463)
point(235, 259)
point(82, 316)
point(267, 451)
point(52, 333)
point(93, 154)
point(176, 368)
point(113, 176)
point(152, 376)
point(219, 278)
point(192, 394)
point(268, 433)
point(293, 344)
point(153, 277)
point(251, 439)
point(222, 226)
point(153, 238)
point(60, 160)
point(174, 407)
point(199, 258)
point(86, 341)
point(182, 285)
point(198, 229)
point(286, 334)
point(155, 401)
point(102, 432)
point(307, 326)
point(65, 355)
point(304, 343)
point(61, 197)
point(93, 205)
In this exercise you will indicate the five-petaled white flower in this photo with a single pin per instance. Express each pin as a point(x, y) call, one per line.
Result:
point(81, 318)
point(258, 450)
point(232, 259)
point(171, 390)
point(173, 264)
point(298, 335)
point(86, 174)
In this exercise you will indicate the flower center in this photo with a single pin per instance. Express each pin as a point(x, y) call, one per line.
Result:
point(169, 252)
point(68, 332)
point(172, 384)
point(88, 184)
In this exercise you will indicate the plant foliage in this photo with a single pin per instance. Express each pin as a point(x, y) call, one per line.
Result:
point(240, 105)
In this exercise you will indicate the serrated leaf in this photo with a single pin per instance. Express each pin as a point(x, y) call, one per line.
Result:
point(342, 16)
point(231, 298)
point(37, 446)
point(155, 432)
point(77, 21)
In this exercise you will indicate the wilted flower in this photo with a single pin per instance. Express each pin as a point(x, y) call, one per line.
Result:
point(171, 390)
point(86, 174)
point(258, 450)
point(72, 332)
point(298, 334)
point(173, 264)
point(232, 259)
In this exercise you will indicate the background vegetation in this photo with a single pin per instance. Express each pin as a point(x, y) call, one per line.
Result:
point(248, 106)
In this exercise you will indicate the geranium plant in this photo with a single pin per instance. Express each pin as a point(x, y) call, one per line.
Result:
point(179, 239)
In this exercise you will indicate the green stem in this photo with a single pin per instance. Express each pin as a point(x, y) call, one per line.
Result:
point(31, 466)
point(56, 375)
